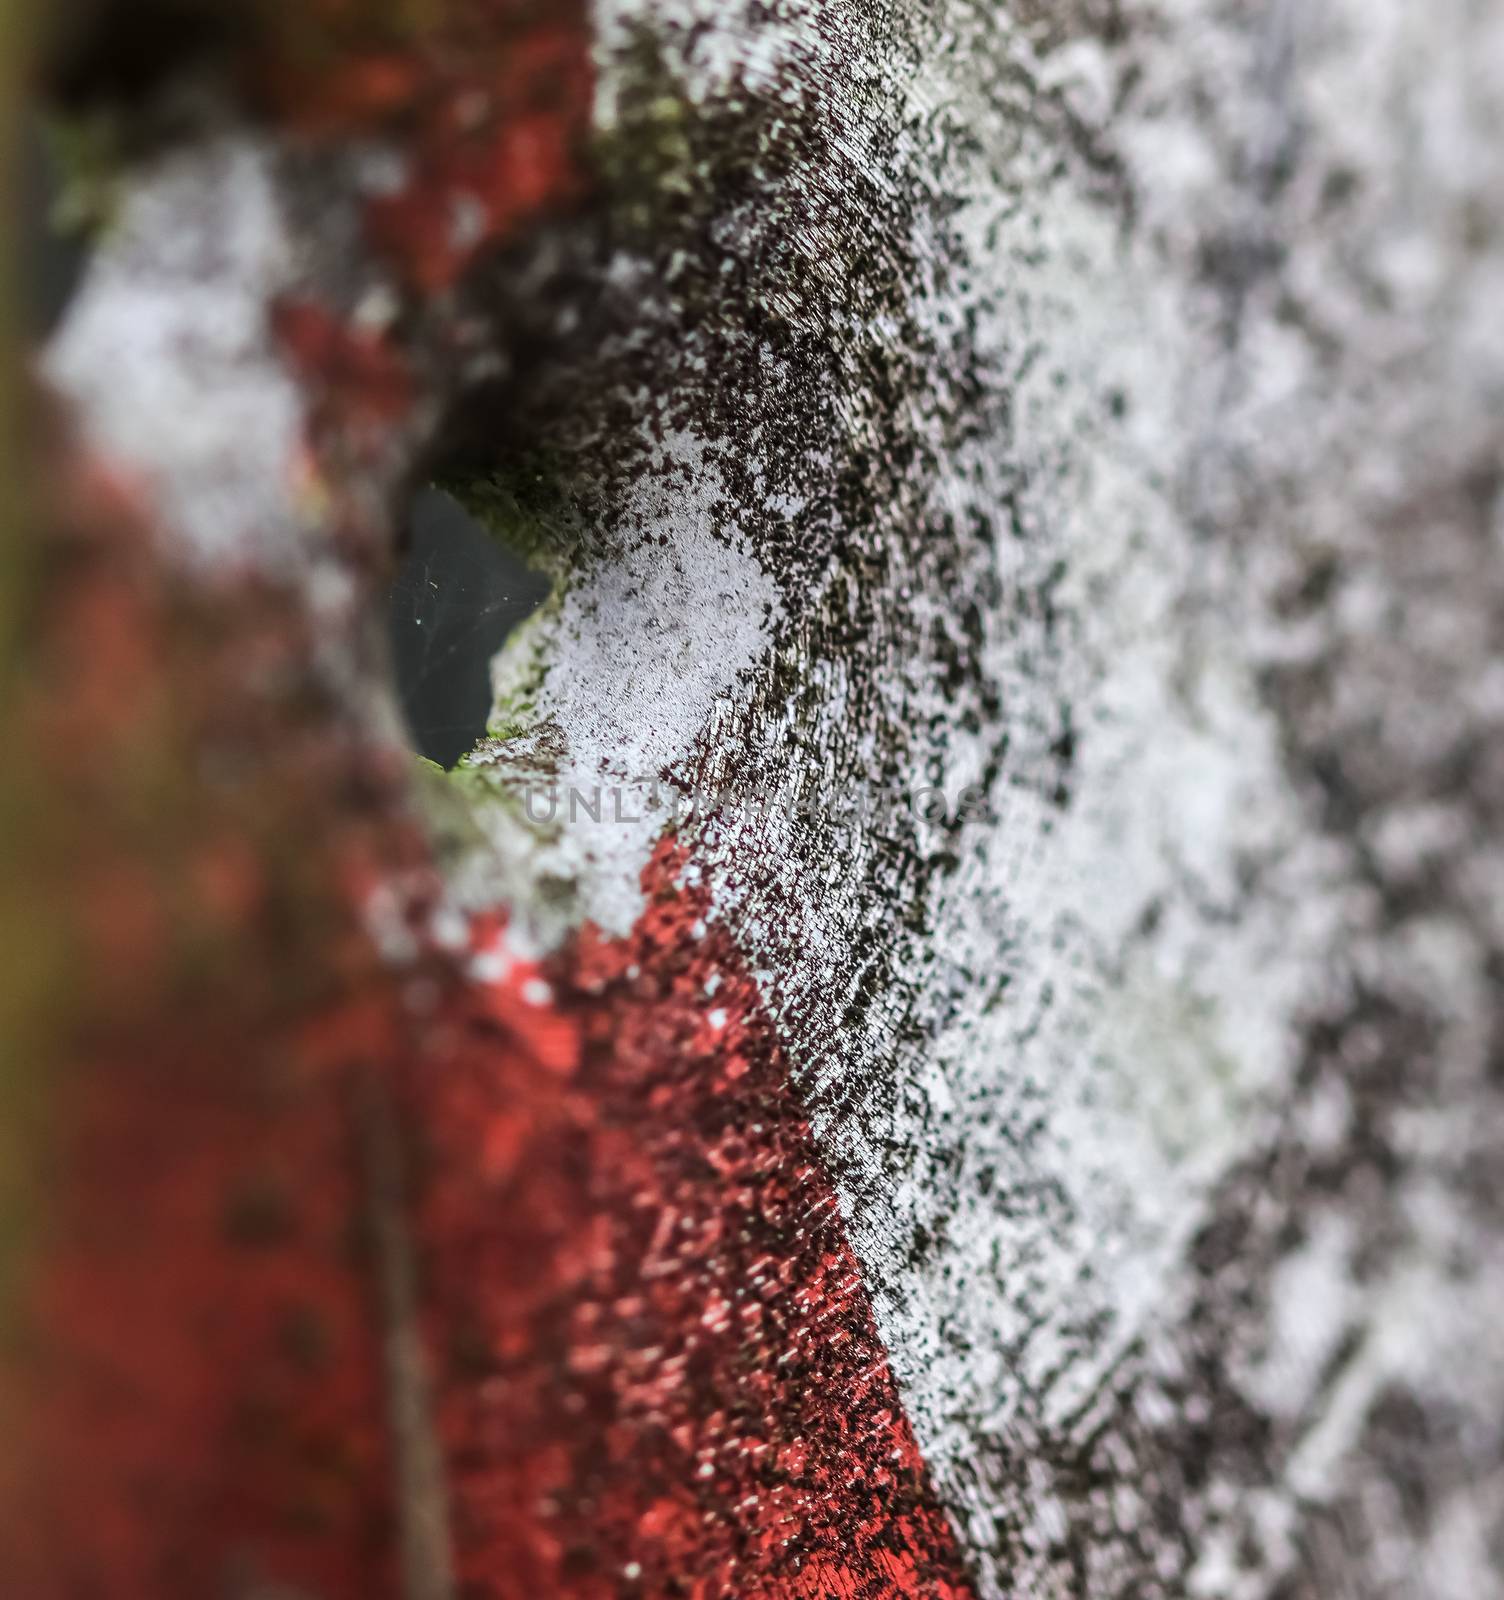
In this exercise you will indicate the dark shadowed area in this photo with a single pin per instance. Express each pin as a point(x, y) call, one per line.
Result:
point(457, 597)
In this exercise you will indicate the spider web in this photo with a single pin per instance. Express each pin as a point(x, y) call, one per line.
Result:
point(456, 599)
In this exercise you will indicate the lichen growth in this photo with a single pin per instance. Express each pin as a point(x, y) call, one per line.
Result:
point(645, 161)
point(446, 798)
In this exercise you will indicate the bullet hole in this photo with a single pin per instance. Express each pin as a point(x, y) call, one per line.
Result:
point(459, 595)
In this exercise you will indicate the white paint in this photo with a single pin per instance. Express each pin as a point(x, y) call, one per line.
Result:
point(635, 658)
point(168, 357)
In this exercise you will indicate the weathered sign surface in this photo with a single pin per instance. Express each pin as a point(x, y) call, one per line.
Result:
point(947, 1043)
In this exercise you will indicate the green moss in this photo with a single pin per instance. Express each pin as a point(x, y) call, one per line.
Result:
point(648, 159)
point(447, 801)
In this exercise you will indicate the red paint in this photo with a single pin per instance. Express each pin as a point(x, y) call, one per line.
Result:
point(189, 1394)
point(202, 1386)
point(657, 1368)
point(487, 101)
point(492, 145)
point(486, 106)
point(358, 381)
point(659, 1371)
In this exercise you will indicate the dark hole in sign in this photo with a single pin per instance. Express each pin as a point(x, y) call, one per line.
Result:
point(457, 598)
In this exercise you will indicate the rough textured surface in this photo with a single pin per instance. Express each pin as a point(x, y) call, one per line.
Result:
point(1139, 468)
point(1087, 415)
point(658, 1372)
